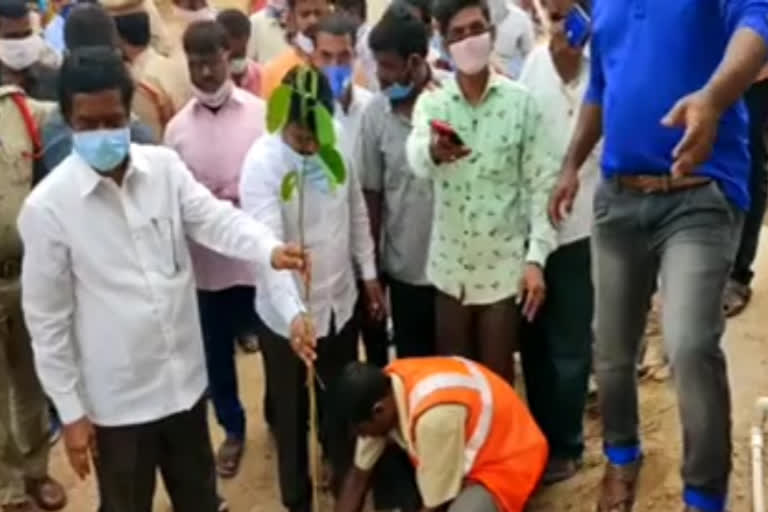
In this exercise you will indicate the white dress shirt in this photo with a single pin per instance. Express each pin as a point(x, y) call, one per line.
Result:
point(349, 120)
point(108, 289)
point(560, 105)
point(336, 230)
point(515, 38)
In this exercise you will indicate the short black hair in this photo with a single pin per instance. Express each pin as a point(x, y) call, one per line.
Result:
point(93, 69)
point(445, 10)
point(14, 9)
point(357, 390)
point(202, 37)
point(399, 32)
point(424, 7)
point(134, 28)
point(324, 95)
point(338, 24)
point(89, 25)
point(353, 5)
point(235, 22)
point(292, 3)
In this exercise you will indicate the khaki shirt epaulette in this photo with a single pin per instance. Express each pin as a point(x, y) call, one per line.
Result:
point(16, 164)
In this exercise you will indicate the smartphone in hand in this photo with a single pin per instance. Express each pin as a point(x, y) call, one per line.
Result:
point(578, 26)
point(446, 130)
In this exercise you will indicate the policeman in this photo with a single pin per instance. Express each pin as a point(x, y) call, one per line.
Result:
point(162, 83)
point(24, 482)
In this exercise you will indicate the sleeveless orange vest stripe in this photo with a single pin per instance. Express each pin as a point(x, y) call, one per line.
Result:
point(505, 451)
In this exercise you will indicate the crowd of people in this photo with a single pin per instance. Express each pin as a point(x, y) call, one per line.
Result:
point(475, 179)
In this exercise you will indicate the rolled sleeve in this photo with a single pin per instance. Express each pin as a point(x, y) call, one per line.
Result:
point(368, 451)
point(751, 14)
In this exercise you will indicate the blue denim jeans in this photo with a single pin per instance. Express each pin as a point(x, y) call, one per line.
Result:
point(687, 238)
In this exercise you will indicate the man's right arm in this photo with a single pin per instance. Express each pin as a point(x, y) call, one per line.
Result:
point(586, 135)
point(367, 153)
point(48, 304)
point(353, 491)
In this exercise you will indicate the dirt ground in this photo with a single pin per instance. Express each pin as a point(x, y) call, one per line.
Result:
point(255, 490)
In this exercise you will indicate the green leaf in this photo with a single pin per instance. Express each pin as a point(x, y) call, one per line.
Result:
point(326, 133)
point(334, 165)
point(288, 186)
point(277, 108)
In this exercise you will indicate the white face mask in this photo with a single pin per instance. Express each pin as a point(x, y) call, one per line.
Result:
point(304, 43)
point(238, 66)
point(473, 54)
point(214, 99)
point(19, 54)
point(189, 17)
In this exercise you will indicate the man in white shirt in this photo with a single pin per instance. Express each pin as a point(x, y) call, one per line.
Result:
point(515, 37)
point(108, 293)
point(556, 348)
point(337, 234)
point(335, 55)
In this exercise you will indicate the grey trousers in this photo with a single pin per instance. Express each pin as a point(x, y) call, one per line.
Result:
point(689, 238)
point(474, 498)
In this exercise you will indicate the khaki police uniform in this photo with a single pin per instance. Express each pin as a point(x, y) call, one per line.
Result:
point(162, 83)
point(23, 407)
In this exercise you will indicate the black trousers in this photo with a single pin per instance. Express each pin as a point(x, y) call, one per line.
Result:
point(556, 350)
point(223, 316)
point(286, 376)
point(413, 318)
point(179, 446)
point(757, 105)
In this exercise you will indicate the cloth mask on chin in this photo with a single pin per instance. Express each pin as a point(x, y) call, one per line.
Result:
point(214, 99)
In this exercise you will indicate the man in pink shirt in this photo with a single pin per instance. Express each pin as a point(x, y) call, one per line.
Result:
point(212, 134)
point(245, 72)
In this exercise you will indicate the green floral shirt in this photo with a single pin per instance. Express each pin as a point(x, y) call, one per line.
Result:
point(491, 206)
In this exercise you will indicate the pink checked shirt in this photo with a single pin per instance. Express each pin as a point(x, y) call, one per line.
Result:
point(214, 145)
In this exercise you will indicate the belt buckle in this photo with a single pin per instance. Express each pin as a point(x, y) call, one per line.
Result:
point(666, 183)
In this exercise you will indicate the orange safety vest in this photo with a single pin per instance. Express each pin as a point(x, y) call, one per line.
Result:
point(505, 451)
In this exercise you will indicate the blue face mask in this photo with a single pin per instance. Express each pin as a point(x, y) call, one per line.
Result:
point(398, 92)
point(103, 150)
point(339, 77)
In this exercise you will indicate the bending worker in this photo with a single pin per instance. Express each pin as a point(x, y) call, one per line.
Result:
point(473, 443)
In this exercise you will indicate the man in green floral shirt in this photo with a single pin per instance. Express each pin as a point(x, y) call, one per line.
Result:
point(492, 177)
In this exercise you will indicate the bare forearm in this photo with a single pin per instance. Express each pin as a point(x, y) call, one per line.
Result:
point(353, 491)
point(373, 200)
point(589, 130)
point(744, 58)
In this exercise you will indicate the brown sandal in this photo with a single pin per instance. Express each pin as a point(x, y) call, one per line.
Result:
point(737, 297)
point(619, 487)
point(46, 492)
point(229, 456)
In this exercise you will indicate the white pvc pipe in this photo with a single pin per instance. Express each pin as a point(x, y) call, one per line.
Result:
point(758, 493)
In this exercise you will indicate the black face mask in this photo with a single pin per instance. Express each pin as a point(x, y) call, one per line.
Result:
point(134, 28)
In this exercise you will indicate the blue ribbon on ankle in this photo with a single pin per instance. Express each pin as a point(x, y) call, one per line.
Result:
point(622, 455)
point(704, 502)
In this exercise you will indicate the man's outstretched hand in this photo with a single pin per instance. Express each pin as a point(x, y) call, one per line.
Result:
point(699, 115)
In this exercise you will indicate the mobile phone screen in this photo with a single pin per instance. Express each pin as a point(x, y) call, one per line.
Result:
point(578, 27)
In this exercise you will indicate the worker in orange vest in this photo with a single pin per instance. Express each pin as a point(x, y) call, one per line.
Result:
point(472, 443)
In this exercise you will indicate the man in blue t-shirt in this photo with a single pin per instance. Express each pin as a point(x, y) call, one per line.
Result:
point(665, 93)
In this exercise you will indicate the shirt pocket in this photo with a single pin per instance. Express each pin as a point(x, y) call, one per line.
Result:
point(162, 251)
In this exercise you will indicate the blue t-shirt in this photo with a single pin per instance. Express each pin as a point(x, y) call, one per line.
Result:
point(648, 54)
